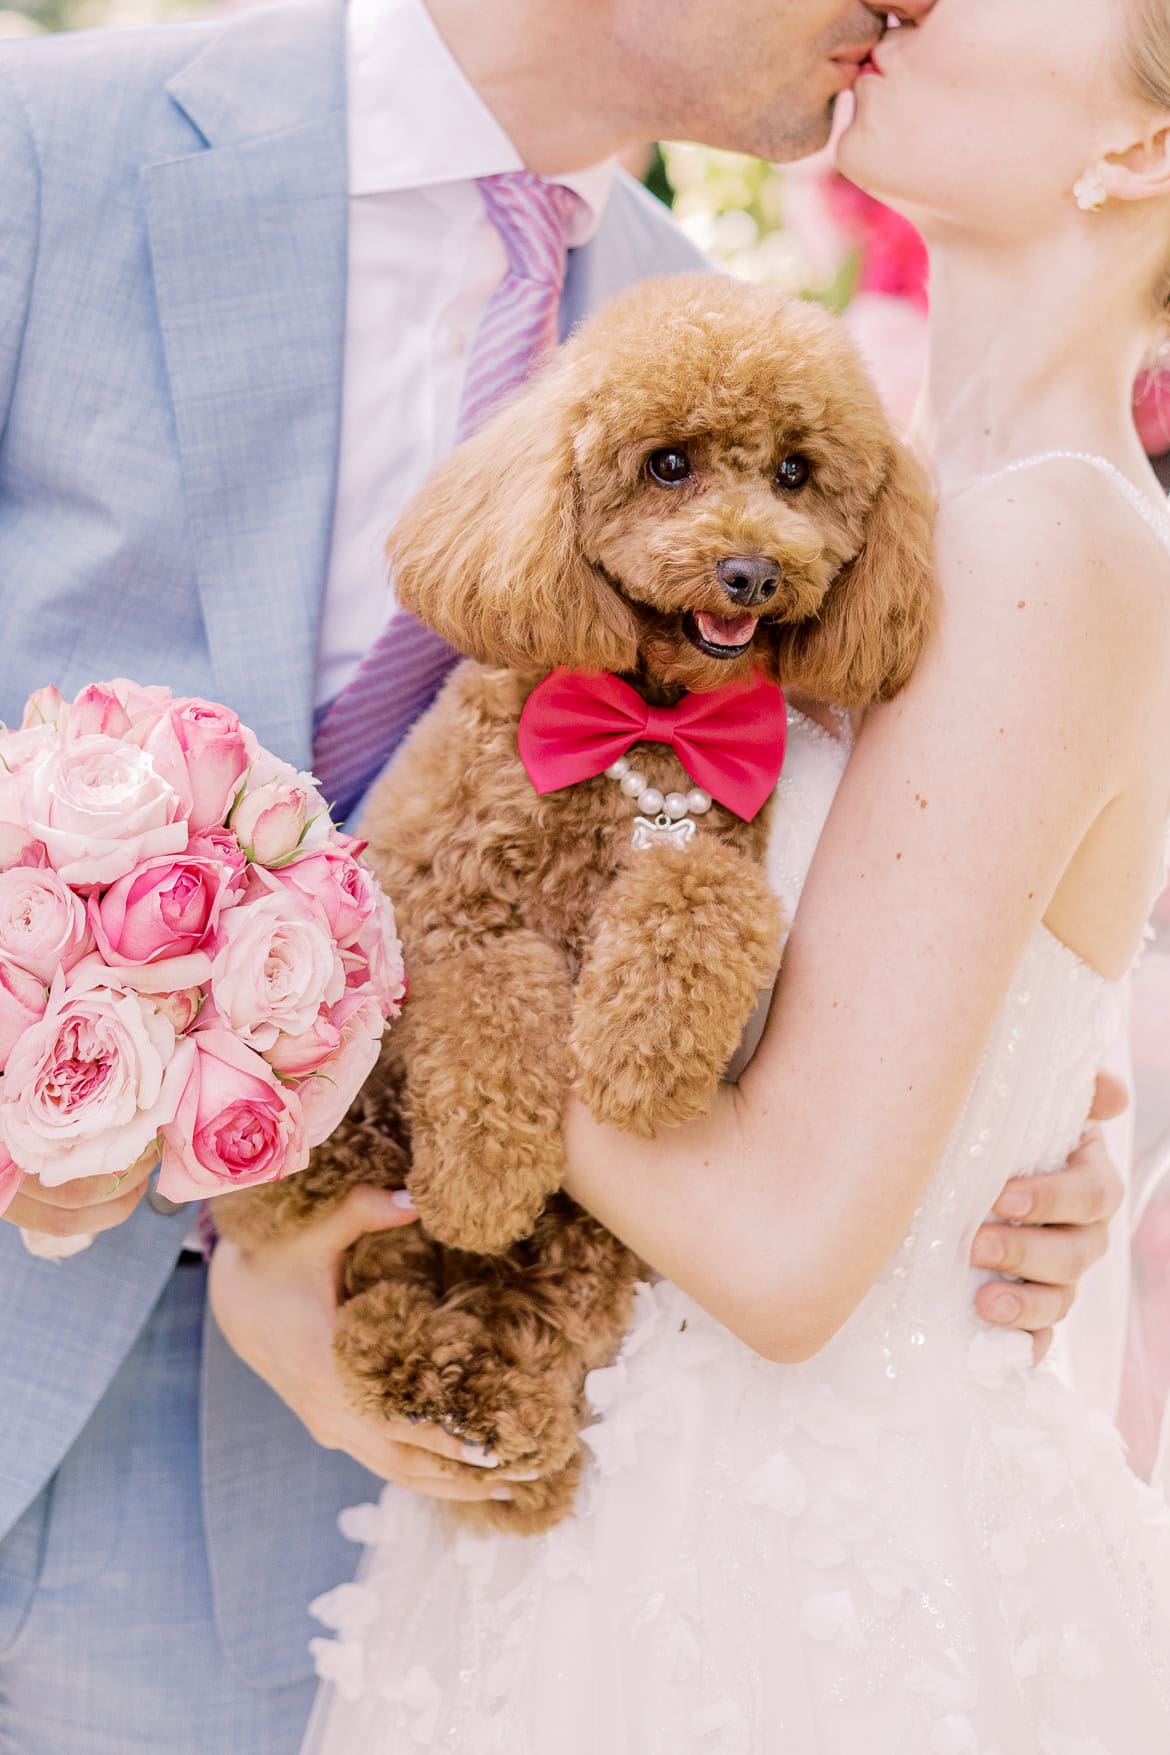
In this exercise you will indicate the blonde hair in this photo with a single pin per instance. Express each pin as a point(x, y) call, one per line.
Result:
point(1149, 56)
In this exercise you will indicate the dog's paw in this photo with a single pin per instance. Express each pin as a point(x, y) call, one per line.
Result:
point(634, 1077)
point(472, 1194)
point(534, 1506)
point(683, 945)
point(404, 1355)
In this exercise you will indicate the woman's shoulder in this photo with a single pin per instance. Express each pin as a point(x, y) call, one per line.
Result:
point(1080, 536)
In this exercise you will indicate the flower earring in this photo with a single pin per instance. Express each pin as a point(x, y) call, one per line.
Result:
point(1091, 193)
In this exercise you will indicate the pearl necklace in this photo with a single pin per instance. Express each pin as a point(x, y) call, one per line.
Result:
point(665, 818)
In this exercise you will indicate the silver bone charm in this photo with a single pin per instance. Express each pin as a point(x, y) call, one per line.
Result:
point(663, 831)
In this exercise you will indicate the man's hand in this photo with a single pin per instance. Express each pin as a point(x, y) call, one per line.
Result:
point(1059, 1228)
point(80, 1209)
point(277, 1306)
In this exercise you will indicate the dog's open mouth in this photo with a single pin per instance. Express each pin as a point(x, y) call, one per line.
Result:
point(720, 636)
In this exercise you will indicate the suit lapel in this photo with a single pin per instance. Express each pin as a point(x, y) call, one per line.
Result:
point(248, 239)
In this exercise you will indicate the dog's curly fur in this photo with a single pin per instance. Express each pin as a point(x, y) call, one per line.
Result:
point(544, 954)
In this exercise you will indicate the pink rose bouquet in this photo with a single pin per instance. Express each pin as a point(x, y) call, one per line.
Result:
point(192, 956)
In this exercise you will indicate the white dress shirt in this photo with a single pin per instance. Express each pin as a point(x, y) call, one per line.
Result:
point(424, 260)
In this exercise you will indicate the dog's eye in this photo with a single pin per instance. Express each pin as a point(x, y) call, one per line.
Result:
point(669, 466)
point(793, 472)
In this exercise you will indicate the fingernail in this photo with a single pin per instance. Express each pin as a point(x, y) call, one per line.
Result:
point(480, 1457)
point(500, 1493)
point(402, 1198)
point(1006, 1307)
point(530, 1475)
point(988, 1251)
point(1014, 1203)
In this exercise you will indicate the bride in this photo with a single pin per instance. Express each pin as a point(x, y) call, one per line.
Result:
point(828, 1511)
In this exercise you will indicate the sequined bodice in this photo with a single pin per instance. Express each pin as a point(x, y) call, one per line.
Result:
point(1025, 1111)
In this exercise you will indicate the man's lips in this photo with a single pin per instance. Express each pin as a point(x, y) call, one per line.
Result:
point(720, 636)
point(858, 60)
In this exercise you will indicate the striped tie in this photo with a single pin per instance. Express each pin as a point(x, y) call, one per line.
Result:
point(358, 731)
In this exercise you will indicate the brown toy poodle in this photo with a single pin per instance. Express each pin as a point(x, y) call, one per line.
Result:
point(699, 488)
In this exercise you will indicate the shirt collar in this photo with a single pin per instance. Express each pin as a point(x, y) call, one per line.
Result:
point(416, 121)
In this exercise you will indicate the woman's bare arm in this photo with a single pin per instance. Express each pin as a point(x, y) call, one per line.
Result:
point(962, 808)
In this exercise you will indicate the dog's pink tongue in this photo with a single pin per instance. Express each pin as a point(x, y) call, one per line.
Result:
point(720, 630)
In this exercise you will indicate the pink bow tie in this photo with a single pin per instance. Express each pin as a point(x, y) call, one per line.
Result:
point(731, 741)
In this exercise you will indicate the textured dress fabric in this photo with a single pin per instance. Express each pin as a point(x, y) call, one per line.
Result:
point(915, 1543)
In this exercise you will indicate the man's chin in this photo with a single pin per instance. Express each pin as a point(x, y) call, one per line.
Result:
point(787, 137)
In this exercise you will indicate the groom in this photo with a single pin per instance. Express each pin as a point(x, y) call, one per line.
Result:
point(246, 275)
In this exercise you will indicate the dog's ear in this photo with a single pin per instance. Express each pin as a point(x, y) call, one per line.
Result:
point(881, 609)
point(489, 552)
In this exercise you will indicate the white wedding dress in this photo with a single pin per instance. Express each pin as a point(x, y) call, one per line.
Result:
point(914, 1544)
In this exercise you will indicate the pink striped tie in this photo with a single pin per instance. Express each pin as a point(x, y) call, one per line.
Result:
point(358, 731)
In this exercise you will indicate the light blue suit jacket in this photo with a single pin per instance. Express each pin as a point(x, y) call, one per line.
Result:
point(173, 215)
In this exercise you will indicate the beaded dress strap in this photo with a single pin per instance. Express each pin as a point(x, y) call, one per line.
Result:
point(1146, 511)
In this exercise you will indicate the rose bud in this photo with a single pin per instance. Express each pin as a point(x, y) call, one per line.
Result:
point(180, 1009)
point(295, 1057)
point(98, 711)
point(201, 749)
point(45, 707)
point(270, 821)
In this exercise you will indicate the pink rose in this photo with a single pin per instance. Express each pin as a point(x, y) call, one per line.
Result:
point(88, 1087)
point(168, 975)
point(235, 1124)
point(101, 808)
point(21, 752)
point(295, 1057)
point(42, 923)
point(45, 706)
point(19, 848)
point(164, 908)
point(180, 1008)
point(345, 892)
point(270, 821)
point(352, 844)
point(11, 1177)
point(275, 965)
point(23, 998)
point(221, 844)
point(201, 749)
point(143, 704)
point(328, 1093)
point(97, 712)
point(375, 960)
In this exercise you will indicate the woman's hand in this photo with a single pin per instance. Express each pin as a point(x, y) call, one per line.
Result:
point(81, 1209)
point(276, 1306)
point(1058, 1230)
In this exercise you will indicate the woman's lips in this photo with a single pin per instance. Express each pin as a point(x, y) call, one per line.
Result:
point(856, 62)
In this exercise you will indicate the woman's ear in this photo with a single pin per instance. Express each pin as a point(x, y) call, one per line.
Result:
point(489, 552)
point(1140, 172)
point(880, 610)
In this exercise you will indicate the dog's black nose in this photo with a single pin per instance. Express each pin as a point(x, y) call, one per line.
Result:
point(749, 579)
